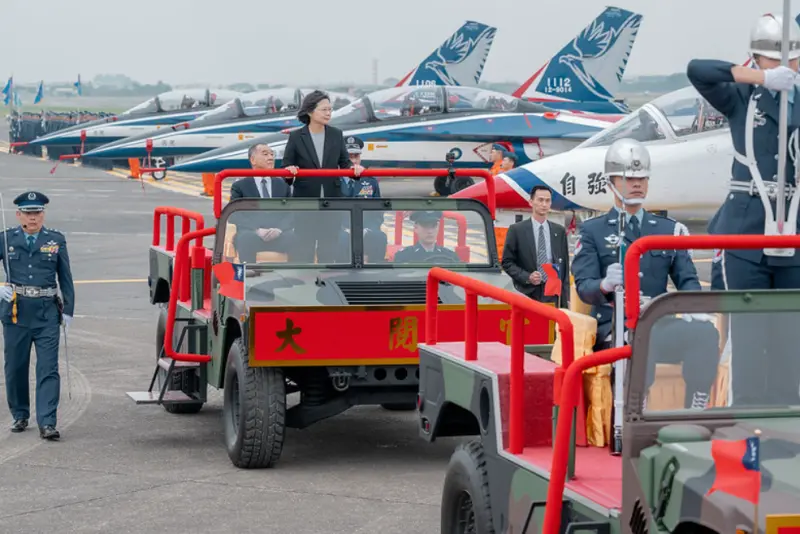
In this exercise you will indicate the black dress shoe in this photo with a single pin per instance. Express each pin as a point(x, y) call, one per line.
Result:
point(19, 426)
point(49, 432)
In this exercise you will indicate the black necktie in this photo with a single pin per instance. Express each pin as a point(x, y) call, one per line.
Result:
point(633, 228)
point(541, 251)
point(264, 190)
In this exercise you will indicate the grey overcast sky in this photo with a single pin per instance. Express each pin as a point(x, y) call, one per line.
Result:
point(325, 42)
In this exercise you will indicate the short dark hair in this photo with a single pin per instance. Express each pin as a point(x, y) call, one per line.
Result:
point(310, 103)
point(540, 188)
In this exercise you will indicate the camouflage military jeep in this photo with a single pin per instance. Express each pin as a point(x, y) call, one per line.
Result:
point(666, 479)
point(337, 324)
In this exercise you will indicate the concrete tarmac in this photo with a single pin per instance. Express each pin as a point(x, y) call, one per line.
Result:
point(124, 468)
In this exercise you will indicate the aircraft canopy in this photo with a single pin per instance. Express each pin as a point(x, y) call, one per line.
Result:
point(410, 101)
point(182, 99)
point(671, 116)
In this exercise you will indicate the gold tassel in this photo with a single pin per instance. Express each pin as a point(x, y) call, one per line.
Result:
point(14, 308)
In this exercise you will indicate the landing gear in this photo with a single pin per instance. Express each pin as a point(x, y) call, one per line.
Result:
point(253, 411)
point(466, 507)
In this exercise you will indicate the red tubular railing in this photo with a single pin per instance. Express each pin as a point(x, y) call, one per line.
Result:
point(520, 305)
point(180, 272)
point(348, 173)
point(186, 218)
point(633, 256)
point(570, 390)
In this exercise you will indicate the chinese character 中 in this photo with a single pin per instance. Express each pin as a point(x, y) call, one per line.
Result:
point(288, 337)
point(505, 326)
point(597, 183)
point(403, 333)
point(568, 184)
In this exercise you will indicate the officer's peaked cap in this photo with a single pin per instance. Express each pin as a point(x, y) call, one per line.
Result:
point(31, 201)
point(423, 217)
point(353, 144)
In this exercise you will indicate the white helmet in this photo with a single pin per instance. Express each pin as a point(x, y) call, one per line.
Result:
point(767, 35)
point(629, 158)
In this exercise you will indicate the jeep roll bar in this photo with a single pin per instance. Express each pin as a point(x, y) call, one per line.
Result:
point(348, 173)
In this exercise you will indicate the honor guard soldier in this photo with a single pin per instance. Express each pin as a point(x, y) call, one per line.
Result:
point(750, 99)
point(31, 312)
point(597, 271)
point(426, 228)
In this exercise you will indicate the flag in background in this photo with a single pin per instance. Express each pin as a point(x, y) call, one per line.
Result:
point(39, 93)
point(231, 279)
point(78, 86)
point(553, 284)
point(738, 468)
point(9, 84)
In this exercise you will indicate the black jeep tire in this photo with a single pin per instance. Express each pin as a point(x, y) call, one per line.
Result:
point(253, 411)
point(399, 406)
point(466, 505)
point(178, 378)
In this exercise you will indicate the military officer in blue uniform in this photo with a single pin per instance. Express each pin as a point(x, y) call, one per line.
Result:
point(750, 99)
point(597, 271)
point(426, 227)
point(31, 312)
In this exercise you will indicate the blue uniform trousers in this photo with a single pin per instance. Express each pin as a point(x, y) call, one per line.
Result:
point(764, 366)
point(17, 351)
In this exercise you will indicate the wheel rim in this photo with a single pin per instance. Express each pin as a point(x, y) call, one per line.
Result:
point(465, 514)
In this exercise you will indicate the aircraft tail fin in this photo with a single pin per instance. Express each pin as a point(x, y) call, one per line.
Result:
point(587, 73)
point(458, 61)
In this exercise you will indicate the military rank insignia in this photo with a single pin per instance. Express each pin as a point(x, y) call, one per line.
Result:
point(51, 247)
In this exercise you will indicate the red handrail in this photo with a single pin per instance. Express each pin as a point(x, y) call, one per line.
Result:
point(461, 223)
point(179, 270)
point(634, 253)
point(348, 173)
point(171, 212)
point(570, 390)
point(520, 305)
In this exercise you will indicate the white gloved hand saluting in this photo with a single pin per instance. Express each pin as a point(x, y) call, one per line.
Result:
point(780, 78)
point(613, 278)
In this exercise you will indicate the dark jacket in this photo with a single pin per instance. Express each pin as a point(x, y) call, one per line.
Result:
point(519, 259)
point(301, 153)
point(253, 220)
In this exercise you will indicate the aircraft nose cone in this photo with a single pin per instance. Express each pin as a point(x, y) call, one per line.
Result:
point(507, 193)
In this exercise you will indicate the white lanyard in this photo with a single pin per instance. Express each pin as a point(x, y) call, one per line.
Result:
point(749, 160)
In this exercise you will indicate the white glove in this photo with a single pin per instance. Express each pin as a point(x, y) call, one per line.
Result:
point(613, 278)
point(780, 78)
point(704, 317)
point(67, 322)
point(6, 292)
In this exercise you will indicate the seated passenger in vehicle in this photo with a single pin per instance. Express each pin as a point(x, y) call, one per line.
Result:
point(261, 231)
point(426, 228)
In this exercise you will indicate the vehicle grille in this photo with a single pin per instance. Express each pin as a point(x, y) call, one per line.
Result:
point(366, 293)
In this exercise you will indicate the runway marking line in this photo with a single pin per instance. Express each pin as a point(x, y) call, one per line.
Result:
point(121, 281)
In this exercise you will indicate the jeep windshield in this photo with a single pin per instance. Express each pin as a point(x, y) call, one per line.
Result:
point(410, 234)
point(684, 345)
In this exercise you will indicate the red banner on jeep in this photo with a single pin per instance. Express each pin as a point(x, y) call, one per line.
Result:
point(388, 335)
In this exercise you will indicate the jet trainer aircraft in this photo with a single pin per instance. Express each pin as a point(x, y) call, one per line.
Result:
point(162, 110)
point(245, 117)
point(419, 126)
point(616, 27)
point(690, 151)
point(460, 59)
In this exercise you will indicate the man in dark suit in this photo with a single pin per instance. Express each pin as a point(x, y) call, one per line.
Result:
point(258, 231)
point(533, 242)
